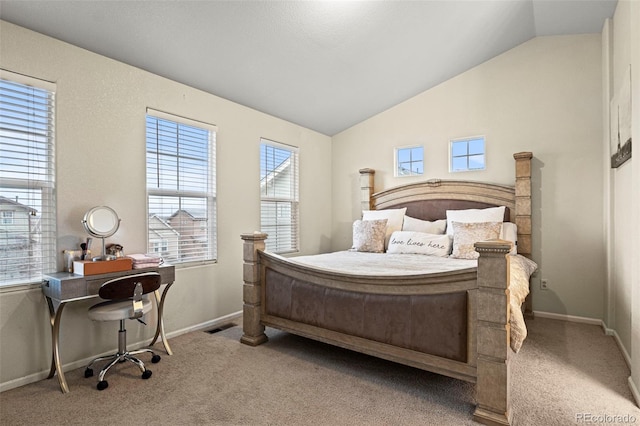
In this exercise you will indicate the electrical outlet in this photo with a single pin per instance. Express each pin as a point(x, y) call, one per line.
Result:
point(544, 284)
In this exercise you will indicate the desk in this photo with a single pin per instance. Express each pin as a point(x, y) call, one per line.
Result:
point(61, 288)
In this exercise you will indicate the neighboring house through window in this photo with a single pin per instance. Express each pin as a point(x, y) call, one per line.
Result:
point(27, 179)
point(279, 196)
point(181, 188)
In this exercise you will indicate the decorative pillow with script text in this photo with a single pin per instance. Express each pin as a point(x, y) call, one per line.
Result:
point(409, 242)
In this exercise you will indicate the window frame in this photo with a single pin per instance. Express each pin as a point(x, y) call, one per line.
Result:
point(396, 160)
point(467, 155)
point(208, 196)
point(7, 219)
point(32, 181)
point(273, 242)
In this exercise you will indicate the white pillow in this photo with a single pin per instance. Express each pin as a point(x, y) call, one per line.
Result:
point(417, 225)
point(509, 232)
point(491, 214)
point(368, 235)
point(465, 235)
point(419, 243)
point(394, 220)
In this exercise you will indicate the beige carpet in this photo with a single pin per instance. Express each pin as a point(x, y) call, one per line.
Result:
point(564, 373)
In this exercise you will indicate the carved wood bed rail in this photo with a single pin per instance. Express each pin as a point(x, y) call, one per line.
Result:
point(302, 299)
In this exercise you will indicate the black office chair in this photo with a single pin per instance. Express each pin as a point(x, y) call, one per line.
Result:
point(124, 301)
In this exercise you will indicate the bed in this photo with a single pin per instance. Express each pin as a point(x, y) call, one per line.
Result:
point(452, 320)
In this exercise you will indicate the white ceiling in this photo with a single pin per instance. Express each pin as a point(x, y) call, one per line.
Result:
point(325, 65)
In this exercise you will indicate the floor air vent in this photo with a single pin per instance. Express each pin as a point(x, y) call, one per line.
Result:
point(220, 328)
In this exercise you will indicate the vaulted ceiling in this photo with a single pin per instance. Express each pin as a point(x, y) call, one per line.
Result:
point(325, 65)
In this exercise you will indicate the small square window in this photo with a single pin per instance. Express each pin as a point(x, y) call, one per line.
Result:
point(7, 218)
point(467, 154)
point(409, 161)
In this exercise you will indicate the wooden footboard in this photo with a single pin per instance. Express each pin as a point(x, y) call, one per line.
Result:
point(275, 291)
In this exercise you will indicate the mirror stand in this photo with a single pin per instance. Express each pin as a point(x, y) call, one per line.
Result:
point(104, 255)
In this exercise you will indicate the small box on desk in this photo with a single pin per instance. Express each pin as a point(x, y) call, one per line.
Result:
point(88, 267)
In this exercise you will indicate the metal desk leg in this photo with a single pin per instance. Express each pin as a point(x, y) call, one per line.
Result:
point(55, 317)
point(160, 326)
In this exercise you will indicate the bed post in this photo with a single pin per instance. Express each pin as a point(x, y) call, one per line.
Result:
point(492, 388)
point(523, 212)
point(366, 188)
point(523, 201)
point(253, 330)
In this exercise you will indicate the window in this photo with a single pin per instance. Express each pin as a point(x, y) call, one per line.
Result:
point(409, 161)
point(7, 217)
point(159, 246)
point(181, 188)
point(279, 196)
point(27, 179)
point(467, 154)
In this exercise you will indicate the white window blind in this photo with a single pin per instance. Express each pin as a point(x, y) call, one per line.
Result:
point(181, 188)
point(27, 179)
point(279, 196)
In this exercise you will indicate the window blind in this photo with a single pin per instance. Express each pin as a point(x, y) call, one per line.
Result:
point(27, 179)
point(279, 196)
point(181, 188)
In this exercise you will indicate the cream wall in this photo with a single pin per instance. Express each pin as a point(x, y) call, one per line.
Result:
point(634, 14)
point(100, 133)
point(543, 96)
point(634, 380)
point(623, 202)
point(619, 319)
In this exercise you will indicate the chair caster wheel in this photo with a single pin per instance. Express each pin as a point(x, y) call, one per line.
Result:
point(146, 374)
point(102, 385)
point(155, 359)
point(88, 372)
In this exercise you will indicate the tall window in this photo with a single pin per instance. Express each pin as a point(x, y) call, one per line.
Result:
point(181, 188)
point(467, 154)
point(27, 179)
point(279, 196)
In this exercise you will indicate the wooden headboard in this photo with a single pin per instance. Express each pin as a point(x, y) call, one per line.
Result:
point(431, 199)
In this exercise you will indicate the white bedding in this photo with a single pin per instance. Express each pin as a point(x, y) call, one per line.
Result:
point(364, 263)
point(352, 262)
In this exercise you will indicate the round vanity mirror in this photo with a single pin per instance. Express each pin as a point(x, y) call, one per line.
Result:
point(101, 222)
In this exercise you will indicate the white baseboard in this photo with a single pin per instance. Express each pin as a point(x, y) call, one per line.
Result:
point(41, 375)
point(625, 354)
point(570, 318)
point(215, 323)
point(634, 391)
point(21, 381)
